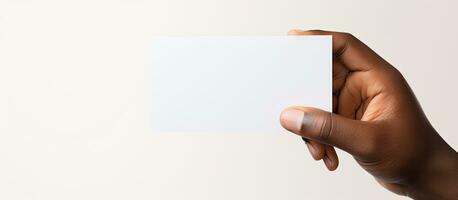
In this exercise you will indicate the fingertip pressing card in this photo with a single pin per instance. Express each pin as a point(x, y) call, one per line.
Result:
point(237, 84)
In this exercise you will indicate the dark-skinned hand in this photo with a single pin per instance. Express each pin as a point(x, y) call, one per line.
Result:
point(377, 119)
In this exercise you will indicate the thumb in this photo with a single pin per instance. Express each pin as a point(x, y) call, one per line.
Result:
point(353, 136)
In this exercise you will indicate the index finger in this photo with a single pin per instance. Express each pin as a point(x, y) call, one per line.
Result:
point(353, 53)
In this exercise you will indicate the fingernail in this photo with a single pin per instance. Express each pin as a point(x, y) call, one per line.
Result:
point(291, 119)
point(311, 149)
point(329, 163)
point(295, 31)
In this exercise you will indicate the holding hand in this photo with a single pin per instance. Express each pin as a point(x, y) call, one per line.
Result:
point(377, 119)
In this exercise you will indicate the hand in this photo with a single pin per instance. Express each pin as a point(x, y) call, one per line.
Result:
point(377, 119)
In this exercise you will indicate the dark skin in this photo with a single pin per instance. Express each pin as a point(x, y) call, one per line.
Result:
point(377, 119)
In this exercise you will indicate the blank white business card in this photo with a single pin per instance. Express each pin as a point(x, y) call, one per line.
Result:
point(237, 84)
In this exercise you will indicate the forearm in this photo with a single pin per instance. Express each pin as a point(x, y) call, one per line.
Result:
point(438, 178)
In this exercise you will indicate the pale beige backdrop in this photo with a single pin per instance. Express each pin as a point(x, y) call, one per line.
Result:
point(74, 97)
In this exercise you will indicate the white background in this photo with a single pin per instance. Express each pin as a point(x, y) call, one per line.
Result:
point(74, 98)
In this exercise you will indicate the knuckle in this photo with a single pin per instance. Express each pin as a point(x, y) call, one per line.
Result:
point(347, 36)
point(394, 72)
point(326, 127)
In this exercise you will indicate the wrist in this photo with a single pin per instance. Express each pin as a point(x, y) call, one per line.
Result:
point(437, 177)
